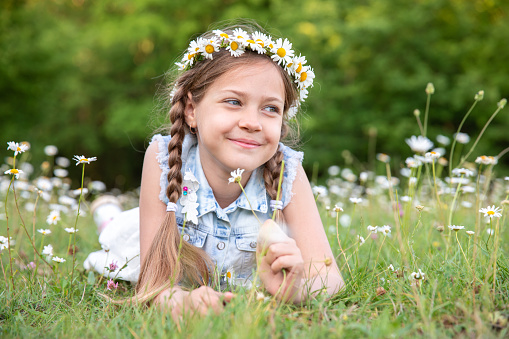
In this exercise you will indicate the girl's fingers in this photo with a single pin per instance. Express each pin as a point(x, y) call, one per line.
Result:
point(291, 262)
point(281, 249)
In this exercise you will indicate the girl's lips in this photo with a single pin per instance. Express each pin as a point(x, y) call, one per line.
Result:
point(245, 143)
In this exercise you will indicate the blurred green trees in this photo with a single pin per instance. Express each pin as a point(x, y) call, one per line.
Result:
point(83, 74)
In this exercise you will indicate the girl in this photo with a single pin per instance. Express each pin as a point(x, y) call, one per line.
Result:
point(229, 108)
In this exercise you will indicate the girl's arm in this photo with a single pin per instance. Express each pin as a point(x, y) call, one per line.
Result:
point(152, 213)
point(307, 258)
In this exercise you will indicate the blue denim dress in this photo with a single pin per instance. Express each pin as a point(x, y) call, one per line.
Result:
point(228, 234)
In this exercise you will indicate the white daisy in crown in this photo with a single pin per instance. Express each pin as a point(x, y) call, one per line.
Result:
point(283, 51)
point(261, 39)
point(209, 47)
point(220, 34)
point(305, 77)
point(235, 47)
point(254, 46)
point(296, 65)
point(240, 35)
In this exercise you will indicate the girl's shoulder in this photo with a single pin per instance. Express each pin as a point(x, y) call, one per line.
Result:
point(293, 159)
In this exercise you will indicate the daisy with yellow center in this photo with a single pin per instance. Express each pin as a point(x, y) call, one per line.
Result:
point(53, 217)
point(432, 155)
point(209, 46)
point(220, 34)
point(44, 232)
point(15, 172)
point(240, 34)
point(236, 48)
point(16, 147)
point(305, 77)
point(229, 276)
point(82, 160)
point(486, 160)
point(491, 212)
point(282, 51)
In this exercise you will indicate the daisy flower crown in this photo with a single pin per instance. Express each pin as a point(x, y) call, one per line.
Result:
point(239, 41)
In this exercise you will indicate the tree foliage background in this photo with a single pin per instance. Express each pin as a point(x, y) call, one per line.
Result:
point(82, 74)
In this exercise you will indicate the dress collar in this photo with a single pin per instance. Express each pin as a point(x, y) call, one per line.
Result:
point(255, 188)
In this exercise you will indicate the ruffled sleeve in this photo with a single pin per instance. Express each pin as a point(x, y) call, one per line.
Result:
point(292, 160)
point(162, 159)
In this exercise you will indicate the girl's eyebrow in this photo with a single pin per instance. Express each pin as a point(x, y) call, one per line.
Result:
point(243, 94)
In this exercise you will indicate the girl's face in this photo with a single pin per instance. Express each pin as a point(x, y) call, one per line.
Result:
point(239, 118)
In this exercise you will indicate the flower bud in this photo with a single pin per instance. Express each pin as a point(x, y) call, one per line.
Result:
point(417, 112)
point(479, 96)
point(501, 103)
point(430, 89)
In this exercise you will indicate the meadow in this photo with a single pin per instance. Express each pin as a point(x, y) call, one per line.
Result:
point(421, 245)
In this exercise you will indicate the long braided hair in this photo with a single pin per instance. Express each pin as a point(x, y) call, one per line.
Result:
point(169, 260)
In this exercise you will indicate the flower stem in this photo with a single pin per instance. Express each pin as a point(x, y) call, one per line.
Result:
point(279, 187)
point(454, 141)
point(76, 224)
point(479, 136)
point(251, 207)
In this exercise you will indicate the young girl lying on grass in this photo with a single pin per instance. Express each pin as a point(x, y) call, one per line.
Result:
point(209, 185)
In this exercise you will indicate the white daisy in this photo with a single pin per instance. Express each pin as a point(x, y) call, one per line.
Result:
point(305, 78)
point(236, 176)
point(462, 138)
point(470, 232)
point(44, 232)
point(383, 157)
point(486, 160)
point(372, 229)
point(240, 35)
point(385, 229)
point(432, 155)
point(15, 172)
point(16, 147)
point(361, 239)
point(220, 34)
point(491, 212)
point(282, 51)
point(417, 275)
point(53, 218)
point(48, 250)
point(82, 160)
point(58, 259)
point(254, 46)
point(462, 171)
point(209, 47)
point(390, 267)
point(71, 230)
point(355, 200)
point(442, 139)
point(456, 228)
point(419, 144)
point(229, 276)
point(236, 48)
point(413, 162)
point(262, 39)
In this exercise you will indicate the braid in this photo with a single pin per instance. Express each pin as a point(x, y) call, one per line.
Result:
point(271, 175)
point(169, 257)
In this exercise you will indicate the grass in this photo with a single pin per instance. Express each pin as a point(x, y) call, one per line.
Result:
point(445, 283)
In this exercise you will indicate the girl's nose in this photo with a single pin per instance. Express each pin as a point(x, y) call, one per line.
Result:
point(250, 120)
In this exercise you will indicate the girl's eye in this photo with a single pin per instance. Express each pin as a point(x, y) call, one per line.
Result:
point(273, 109)
point(233, 102)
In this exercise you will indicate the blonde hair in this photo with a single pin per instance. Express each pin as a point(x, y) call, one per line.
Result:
point(169, 259)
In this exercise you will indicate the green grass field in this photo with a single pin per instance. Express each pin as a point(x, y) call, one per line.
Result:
point(412, 275)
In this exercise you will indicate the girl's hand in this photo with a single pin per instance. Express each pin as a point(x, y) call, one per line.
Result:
point(281, 267)
point(198, 301)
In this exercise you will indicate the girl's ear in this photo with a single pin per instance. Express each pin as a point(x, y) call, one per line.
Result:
point(189, 111)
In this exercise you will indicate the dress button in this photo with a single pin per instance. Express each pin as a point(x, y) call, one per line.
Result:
point(186, 237)
point(220, 245)
point(253, 244)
